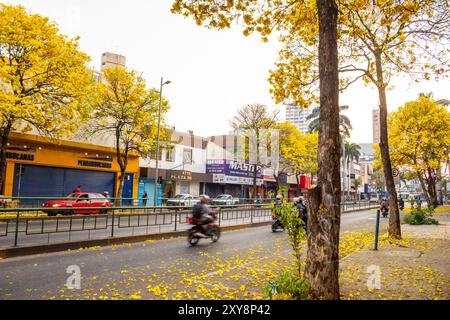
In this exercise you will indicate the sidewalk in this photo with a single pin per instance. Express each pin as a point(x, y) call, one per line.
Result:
point(416, 267)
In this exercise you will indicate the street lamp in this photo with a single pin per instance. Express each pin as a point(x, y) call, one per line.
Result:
point(157, 137)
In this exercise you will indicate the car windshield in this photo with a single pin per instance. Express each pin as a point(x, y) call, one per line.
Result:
point(222, 196)
point(180, 196)
point(73, 195)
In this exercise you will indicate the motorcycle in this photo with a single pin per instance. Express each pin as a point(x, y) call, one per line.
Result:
point(277, 225)
point(199, 231)
point(384, 212)
point(401, 206)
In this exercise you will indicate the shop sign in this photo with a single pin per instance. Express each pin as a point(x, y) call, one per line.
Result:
point(232, 168)
point(96, 164)
point(19, 156)
point(183, 176)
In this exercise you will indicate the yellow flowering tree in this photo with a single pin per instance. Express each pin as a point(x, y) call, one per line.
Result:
point(419, 135)
point(43, 79)
point(315, 22)
point(377, 41)
point(126, 110)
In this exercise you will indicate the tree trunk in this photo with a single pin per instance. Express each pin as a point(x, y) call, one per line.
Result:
point(4, 136)
point(253, 196)
point(322, 263)
point(118, 201)
point(394, 216)
point(277, 183)
point(424, 187)
point(431, 185)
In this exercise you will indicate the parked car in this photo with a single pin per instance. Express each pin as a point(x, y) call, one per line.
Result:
point(224, 200)
point(182, 200)
point(373, 197)
point(81, 202)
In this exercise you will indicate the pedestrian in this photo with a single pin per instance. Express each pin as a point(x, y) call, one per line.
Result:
point(144, 198)
point(77, 190)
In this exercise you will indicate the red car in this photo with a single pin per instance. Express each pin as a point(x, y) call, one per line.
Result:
point(81, 201)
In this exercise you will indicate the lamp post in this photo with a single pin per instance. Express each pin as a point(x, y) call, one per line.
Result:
point(157, 138)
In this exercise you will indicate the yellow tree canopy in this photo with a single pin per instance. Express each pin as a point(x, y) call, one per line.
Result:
point(298, 151)
point(419, 135)
point(43, 75)
point(291, 141)
point(125, 109)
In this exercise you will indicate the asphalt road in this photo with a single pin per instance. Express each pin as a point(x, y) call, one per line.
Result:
point(117, 269)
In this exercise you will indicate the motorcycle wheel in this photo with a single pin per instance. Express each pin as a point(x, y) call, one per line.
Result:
point(216, 235)
point(193, 241)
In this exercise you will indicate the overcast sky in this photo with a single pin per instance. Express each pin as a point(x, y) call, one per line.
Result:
point(213, 73)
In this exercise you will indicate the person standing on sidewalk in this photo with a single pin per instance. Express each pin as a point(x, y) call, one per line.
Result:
point(144, 198)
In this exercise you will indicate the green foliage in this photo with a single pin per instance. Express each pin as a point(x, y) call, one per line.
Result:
point(421, 216)
point(293, 285)
point(288, 286)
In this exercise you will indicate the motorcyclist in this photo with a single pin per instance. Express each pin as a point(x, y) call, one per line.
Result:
point(201, 212)
point(384, 204)
point(401, 203)
point(278, 203)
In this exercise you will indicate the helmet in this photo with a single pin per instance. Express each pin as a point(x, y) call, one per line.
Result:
point(278, 197)
point(204, 198)
point(301, 198)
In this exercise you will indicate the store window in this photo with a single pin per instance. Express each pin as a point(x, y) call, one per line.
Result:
point(170, 153)
point(187, 156)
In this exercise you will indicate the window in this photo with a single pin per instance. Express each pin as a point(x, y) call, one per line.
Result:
point(170, 153)
point(187, 155)
point(153, 153)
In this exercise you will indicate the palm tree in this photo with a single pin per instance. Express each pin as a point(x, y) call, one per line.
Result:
point(352, 151)
point(344, 122)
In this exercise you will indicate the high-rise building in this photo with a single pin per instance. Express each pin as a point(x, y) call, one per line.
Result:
point(111, 60)
point(297, 116)
point(376, 125)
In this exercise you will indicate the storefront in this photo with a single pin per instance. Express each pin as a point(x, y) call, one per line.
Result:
point(232, 177)
point(300, 189)
point(43, 167)
point(172, 182)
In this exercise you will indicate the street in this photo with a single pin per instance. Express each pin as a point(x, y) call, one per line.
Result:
point(121, 271)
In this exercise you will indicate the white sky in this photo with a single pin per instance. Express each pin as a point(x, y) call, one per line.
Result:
point(213, 73)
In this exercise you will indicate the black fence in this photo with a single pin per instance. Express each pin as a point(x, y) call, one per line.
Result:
point(22, 226)
point(28, 226)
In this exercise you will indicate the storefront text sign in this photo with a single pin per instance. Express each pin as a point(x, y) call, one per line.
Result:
point(184, 175)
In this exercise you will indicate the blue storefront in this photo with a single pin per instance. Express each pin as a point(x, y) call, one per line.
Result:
point(148, 185)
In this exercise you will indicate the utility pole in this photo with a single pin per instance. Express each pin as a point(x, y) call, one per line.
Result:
point(157, 140)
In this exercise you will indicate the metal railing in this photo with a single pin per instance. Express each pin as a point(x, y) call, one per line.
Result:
point(33, 226)
point(26, 226)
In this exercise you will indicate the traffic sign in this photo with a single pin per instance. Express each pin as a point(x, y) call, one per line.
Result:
point(395, 172)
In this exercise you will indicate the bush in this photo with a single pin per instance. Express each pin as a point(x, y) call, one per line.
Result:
point(421, 216)
point(288, 287)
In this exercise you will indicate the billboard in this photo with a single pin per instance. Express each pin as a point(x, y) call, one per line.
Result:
point(233, 168)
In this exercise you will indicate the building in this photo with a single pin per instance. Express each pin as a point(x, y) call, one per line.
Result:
point(39, 166)
point(376, 125)
point(110, 60)
point(181, 169)
point(297, 116)
point(42, 167)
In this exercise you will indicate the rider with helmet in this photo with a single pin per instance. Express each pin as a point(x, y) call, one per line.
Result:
point(384, 206)
point(201, 211)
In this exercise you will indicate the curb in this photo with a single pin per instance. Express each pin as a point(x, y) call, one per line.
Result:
point(63, 246)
